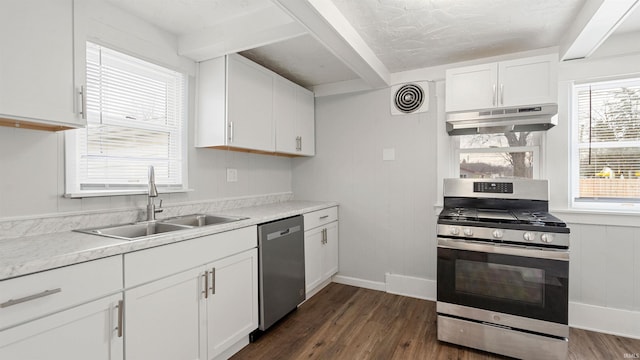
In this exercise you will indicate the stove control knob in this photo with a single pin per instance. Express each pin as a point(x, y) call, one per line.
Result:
point(529, 236)
point(497, 234)
point(454, 230)
point(468, 232)
point(546, 238)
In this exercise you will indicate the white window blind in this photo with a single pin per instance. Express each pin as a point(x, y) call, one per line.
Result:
point(607, 142)
point(135, 118)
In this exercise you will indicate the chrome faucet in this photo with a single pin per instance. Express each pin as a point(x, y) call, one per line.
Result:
point(153, 192)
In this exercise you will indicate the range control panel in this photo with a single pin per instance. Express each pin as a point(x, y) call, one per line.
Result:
point(493, 187)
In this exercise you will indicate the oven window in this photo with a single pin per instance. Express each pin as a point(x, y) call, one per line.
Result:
point(499, 281)
point(525, 286)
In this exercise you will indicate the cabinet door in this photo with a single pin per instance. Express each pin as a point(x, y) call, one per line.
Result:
point(285, 111)
point(471, 87)
point(88, 331)
point(313, 254)
point(232, 306)
point(528, 81)
point(249, 105)
point(36, 61)
point(305, 124)
point(163, 318)
point(330, 260)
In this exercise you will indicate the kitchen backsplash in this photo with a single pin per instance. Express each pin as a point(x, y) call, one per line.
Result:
point(12, 228)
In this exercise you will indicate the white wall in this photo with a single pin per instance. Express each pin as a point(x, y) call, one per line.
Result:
point(387, 221)
point(387, 217)
point(32, 162)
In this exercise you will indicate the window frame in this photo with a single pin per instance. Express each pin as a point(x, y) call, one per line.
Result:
point(618, 205)
point(536, 149)
point(72, 185)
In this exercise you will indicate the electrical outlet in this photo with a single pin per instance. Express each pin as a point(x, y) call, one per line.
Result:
point(232, 175)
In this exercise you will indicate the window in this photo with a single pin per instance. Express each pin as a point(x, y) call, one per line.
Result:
point(135, 118)
point(510, 155)
point(606, 144)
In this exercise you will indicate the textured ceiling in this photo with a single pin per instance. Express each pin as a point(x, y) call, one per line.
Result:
point(410, 34)
point(403, 34)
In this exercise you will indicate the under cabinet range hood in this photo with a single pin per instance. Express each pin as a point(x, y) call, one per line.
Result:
point(524, 118)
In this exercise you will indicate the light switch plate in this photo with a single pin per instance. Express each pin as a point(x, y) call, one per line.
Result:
point(232, 175)
point(388, 154)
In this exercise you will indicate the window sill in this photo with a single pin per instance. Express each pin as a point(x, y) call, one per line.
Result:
point(598, 217)
point(89, 194)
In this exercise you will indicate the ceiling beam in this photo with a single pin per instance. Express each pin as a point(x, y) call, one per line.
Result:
point(326, 23)
point(263, 27)
point(595, 22)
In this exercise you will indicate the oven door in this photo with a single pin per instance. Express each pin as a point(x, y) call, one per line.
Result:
point(526, 282)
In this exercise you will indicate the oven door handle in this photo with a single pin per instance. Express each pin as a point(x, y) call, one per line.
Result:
point(551, 254)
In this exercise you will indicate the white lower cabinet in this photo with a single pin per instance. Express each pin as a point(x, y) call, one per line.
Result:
point(163, 320)
point(199, 313)
point(88, 331)
point(320, 247)
point(232, 304)
point(72, 313)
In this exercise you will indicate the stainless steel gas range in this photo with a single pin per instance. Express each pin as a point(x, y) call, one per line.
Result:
point(503, 269)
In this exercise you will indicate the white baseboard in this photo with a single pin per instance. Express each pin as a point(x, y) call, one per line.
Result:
point(367, 284)
point(606, 320)
point(411, 286)
point(583, 316)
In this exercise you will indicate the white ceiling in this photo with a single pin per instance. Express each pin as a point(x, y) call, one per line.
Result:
point(410, 34)
point(401, 34)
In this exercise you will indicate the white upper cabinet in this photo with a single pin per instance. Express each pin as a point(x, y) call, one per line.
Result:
point(37, 86)
point(293, 112)
point(249, 105)
point(526, 81)
point(235, 105)
point(243, 106)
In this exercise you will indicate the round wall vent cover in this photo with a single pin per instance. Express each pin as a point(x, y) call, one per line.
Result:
point(409, 98)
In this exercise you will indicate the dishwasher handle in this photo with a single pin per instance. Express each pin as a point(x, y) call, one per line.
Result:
point(280, 233)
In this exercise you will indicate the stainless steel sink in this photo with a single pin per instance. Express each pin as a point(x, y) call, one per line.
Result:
point(143, 229)
point(201, 220)
point(135, 231)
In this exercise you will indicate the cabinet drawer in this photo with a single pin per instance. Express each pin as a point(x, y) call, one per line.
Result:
point(320, 217)
point(32, 296)
point(152, 264)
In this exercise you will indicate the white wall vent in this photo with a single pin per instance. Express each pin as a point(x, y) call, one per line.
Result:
point(410, 98)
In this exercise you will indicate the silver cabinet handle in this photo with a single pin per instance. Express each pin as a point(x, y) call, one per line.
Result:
point(29, 298)
point(495, 97)
point(120, 307)
point(501, 94)
point(324, 236)
point(206, 284)
point(324, 217)
point(230, 131)
point(213, 281)
point(299, 143)
point(83, 102)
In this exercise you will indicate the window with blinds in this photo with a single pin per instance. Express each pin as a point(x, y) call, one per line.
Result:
point(607, 142)
point(135, 118)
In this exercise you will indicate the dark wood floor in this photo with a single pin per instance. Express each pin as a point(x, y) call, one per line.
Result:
point(346, 322)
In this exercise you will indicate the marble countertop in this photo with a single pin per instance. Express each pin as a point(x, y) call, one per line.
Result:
point(25, 255)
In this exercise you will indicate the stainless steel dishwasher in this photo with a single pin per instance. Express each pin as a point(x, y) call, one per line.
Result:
point(281, 269)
